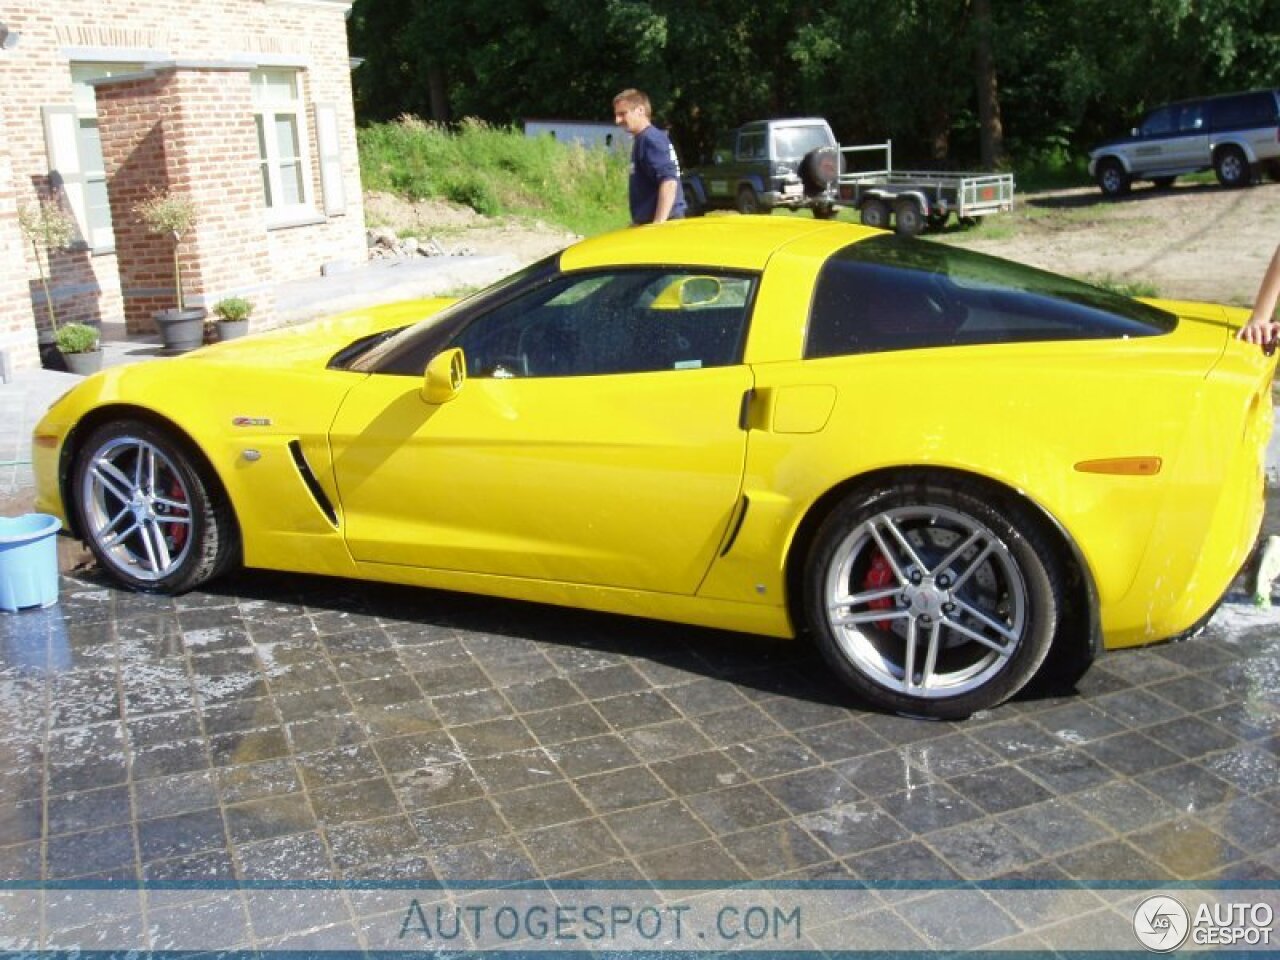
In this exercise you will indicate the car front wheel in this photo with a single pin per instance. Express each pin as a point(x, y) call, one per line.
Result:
point(147, 513)
point(928, 601)
point(1113, 181)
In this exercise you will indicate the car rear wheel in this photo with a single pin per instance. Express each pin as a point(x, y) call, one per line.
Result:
point(748, 202)
point(1113, 180)
point(147, 513)
point(1231, 167)
point(875, 213)
point(928, 601)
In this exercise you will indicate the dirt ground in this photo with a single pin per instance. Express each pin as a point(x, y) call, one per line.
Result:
point(458, 228)
point(1193, 242)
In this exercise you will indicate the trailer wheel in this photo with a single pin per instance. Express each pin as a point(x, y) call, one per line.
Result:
point(908, 220)
point(875, 213)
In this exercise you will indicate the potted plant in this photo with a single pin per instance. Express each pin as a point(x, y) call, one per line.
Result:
point(80, 348)
point(233, 317)
point(173, 215)
point(49, 228)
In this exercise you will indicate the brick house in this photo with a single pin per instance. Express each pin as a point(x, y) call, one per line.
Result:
point(244, 106)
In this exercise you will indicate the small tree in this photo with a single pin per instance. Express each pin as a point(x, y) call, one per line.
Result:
point(50, 227)
point(171, 215)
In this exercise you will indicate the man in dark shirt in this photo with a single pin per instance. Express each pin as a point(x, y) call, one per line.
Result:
point(654, 186)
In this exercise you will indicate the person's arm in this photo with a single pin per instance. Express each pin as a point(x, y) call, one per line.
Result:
point(1262, 329)
point(666, 200)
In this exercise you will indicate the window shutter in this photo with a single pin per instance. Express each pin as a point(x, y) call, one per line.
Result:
point(61, 127)
point(335, 198)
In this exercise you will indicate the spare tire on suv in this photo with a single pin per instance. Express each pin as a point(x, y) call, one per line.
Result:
point(819, 169)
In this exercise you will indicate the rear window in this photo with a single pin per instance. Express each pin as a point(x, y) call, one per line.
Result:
point(1246, 110)
point(895, 293)
point(792, 143)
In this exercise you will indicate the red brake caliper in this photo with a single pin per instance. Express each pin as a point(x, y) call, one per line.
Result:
point(179, 529)
point(879, 575)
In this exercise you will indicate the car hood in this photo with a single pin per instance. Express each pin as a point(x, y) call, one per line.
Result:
point(1113, 142)
point(314, 344)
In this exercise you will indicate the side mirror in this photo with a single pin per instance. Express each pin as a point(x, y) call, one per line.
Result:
point(446, 373)
point(687, 292)
point(699, 291)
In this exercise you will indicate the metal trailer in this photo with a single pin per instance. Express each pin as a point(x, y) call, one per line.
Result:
point(918, 199)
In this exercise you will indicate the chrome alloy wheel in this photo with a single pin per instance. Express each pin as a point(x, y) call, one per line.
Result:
point(926, 601)
point(137, 508)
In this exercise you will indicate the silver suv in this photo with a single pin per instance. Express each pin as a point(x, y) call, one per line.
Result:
point(1237, 135)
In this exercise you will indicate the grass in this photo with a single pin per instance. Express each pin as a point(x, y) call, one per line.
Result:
point(497, 171)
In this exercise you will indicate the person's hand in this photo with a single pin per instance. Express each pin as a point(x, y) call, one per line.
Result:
point(1263, 333)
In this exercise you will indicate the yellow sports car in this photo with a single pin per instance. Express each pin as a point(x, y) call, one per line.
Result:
point(952, 471)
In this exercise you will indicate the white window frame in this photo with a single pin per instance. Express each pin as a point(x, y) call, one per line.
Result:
point(64, 127)
point(266, 112)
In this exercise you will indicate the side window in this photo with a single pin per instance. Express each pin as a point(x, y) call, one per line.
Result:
point(882, 294)
point(283, 152)
point(724, 150)
point(632, 321)
point(1191, 118)
point(751, 145)
point(1158, 123)
point(1250, 110)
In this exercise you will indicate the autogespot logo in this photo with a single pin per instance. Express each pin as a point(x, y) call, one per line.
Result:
point(1161, 923)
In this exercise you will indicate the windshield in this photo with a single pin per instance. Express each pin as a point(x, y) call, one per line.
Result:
point(792, 143)
point(407, 350)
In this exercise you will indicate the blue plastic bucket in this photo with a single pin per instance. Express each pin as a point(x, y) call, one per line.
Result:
point(28, 561)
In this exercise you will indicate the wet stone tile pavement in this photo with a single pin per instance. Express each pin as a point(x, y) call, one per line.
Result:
point(287, 728)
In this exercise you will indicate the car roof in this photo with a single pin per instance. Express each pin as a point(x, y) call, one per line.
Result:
point(741, 243)
point(785, 122)
point(1274, 91)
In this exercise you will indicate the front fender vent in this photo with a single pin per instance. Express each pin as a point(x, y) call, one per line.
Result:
point(309, 478)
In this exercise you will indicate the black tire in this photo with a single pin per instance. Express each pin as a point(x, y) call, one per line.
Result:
point(875, 213)
point(1010, 574)
point(819, 169)
point(692, 208)
point(748, 203)
point(1232, 167)
point(937, 220)
point(824, 211)
point(147, 512)
point(908, 220)
point(1113, 179)
point(1163, 183)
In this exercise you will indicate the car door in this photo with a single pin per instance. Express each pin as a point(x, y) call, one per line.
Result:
point(1189, 149)
point(596, 439)
point(1155, 142)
